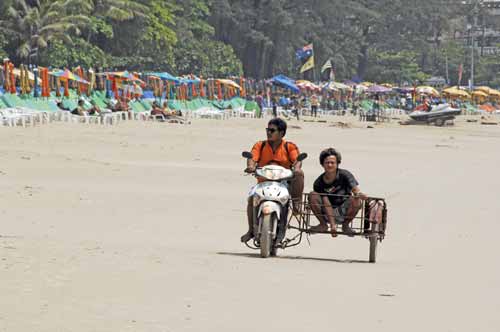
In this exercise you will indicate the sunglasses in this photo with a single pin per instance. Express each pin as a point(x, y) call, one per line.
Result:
point(271, 130)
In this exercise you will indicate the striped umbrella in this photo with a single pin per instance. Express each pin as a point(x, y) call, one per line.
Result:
point(67, 75)
point(307, 85)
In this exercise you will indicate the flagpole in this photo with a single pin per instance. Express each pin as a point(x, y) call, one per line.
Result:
point(447, 73)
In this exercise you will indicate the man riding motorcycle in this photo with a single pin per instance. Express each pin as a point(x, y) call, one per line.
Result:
point(275, 151)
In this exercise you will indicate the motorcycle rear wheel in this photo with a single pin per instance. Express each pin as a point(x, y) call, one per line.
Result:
point(373, 244)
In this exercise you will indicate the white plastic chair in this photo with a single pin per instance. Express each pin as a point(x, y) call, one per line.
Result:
point(12, 117)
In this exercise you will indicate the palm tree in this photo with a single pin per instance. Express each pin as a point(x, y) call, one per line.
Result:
point(33, 24)
point(107, 14)
point(117, 10)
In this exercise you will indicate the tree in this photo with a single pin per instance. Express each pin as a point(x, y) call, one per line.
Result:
point(196, 50)
point(106, 15)
point(390, 40)
point(81, 53)
point(398, 67)
point(32, 28)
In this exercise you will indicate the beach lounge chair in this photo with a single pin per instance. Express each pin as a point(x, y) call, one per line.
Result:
point(100, 102)
point(2, 105)
point(12, 117)
point(251, 107)
point(26, 106)
point(138, 111)
point(147, 105)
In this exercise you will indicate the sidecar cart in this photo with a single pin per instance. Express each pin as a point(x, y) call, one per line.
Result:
point(370, 222)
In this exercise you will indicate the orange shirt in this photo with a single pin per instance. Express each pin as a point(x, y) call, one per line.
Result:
point(278, 157)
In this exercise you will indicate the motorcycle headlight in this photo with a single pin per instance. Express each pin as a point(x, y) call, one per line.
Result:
point(274, 173)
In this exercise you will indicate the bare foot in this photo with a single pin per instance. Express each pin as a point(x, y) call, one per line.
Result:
point(348, 230)
point(334, 230)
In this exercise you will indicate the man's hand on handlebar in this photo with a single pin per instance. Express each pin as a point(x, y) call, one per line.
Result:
point(251, 166)
point(250, 169)
point(297, 168)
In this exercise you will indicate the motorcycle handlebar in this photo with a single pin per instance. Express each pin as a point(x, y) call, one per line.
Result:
point(249, 155)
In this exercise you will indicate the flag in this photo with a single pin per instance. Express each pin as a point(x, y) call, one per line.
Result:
point(309, 64)
point(327, 65)
point(327, 71)
point(460, 71)
point(304, 53)
point(306, 57)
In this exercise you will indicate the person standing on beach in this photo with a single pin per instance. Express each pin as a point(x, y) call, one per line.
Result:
point(259, 99)
point(314, 105)
point(295, 106)
point(274, 102)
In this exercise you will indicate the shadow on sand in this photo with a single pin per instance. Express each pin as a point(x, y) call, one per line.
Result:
point(331, 260)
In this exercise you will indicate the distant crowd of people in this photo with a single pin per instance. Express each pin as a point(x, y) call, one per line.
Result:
point(369, 107)
point(162, 113)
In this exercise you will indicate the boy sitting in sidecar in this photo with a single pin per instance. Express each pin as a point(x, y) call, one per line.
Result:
point(336, 198)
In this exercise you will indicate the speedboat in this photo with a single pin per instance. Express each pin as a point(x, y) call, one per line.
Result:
point(437, 114)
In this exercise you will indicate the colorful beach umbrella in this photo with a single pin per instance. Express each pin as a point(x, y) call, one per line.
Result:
point(189, 79)
point(230, 83)
point(484, 89)
point(378, 89)
point(479, 93)
point(335, 86)
point(427, 90)
point(307, 85)
point(164, 76)
point(456, 92)
point(123, 75)
point(285, 82)
point(133, 88)
point(361, 88)
point(66, 75)
point(494, 93)
point(489, 91)
point(31, 76)
point(404, 89)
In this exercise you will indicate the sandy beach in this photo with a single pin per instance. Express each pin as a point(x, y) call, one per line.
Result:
point(136, 227)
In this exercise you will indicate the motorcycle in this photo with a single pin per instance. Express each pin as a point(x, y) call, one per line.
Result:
point(271, 204)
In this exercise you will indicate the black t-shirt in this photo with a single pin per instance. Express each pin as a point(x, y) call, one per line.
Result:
point(342, 185)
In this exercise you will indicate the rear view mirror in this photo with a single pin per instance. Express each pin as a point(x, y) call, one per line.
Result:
point(302, 156)
point(247, 155)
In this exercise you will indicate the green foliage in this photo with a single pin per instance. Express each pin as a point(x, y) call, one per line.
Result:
point(161, 20)
point(99, 26)
point(452, 55)
point(388, 65)
point(3, 43)
point(207, 58)
point(380, 40)
point(80, 52)
point(488, 71)
point(32, 27)
point(116, 10)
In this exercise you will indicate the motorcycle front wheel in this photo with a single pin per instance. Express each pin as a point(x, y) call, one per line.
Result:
point(266, 235)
